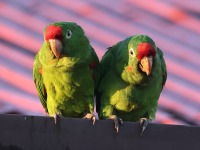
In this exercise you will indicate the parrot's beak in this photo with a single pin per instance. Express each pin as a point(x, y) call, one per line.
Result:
point(146, 64)
point(56, 47)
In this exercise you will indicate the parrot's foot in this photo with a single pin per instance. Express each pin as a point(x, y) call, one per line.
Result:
point(56, 117)
point(91, 117)
point(117, 121)
point(143, 124)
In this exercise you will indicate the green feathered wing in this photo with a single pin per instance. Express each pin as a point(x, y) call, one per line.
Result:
point(94, 63)
point(37, 70)
point(106, 66)
point(163, 66)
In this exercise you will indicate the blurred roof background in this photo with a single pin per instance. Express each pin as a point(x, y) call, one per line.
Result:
point(174, 26)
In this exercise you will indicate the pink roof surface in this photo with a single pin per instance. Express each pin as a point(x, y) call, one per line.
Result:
point(174, 26)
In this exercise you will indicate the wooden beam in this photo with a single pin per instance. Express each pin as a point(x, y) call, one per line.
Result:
point(37, 133)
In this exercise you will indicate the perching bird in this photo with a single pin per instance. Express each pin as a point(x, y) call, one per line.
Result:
point(132, 76)
point(64, 71)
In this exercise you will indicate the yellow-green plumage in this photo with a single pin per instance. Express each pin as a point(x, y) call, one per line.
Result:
point(64, 80)
point(124, 89)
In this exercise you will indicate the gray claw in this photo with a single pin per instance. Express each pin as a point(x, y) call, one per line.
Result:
point(90, 117)
point(55, 116)
point(143, 123)
point(117, 121)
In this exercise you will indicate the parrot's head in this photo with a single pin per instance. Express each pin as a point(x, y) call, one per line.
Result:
point(140, 55)
point(66, 39)
point(142, 51)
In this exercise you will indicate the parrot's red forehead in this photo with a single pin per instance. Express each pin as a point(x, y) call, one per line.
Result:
point(145, 49)
point(53, 32)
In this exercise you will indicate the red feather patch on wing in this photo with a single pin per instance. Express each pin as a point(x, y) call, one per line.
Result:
point(129, 68)
point(93, 64)
point(45, 91)
point(40, 71)
point(145, 49)
point(53, 32)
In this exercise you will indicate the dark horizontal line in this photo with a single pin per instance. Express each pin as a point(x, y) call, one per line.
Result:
point(183, 61)
point(17, 26)
point(179, 78)
point(17, 48)
point(9, 63)
point(185, 9)
point(178, 116)
point(15, 89)
point(181, 99)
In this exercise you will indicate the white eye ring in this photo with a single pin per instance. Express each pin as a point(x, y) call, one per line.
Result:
point(68, 34)
point(132, 52)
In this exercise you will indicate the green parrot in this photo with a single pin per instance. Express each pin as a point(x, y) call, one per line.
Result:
point(64, 72)
point(132, 75)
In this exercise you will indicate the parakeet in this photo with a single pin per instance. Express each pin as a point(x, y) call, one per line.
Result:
point(132, 76)
point(64, 70)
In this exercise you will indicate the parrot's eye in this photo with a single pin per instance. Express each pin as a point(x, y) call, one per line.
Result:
point(68, 34)
point(132, 53)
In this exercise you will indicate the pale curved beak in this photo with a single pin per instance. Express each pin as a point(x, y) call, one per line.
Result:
point(56, 47)
point(146, 64)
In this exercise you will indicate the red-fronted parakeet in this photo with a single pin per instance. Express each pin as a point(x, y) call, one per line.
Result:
point(64, 71)
point(132, 76)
